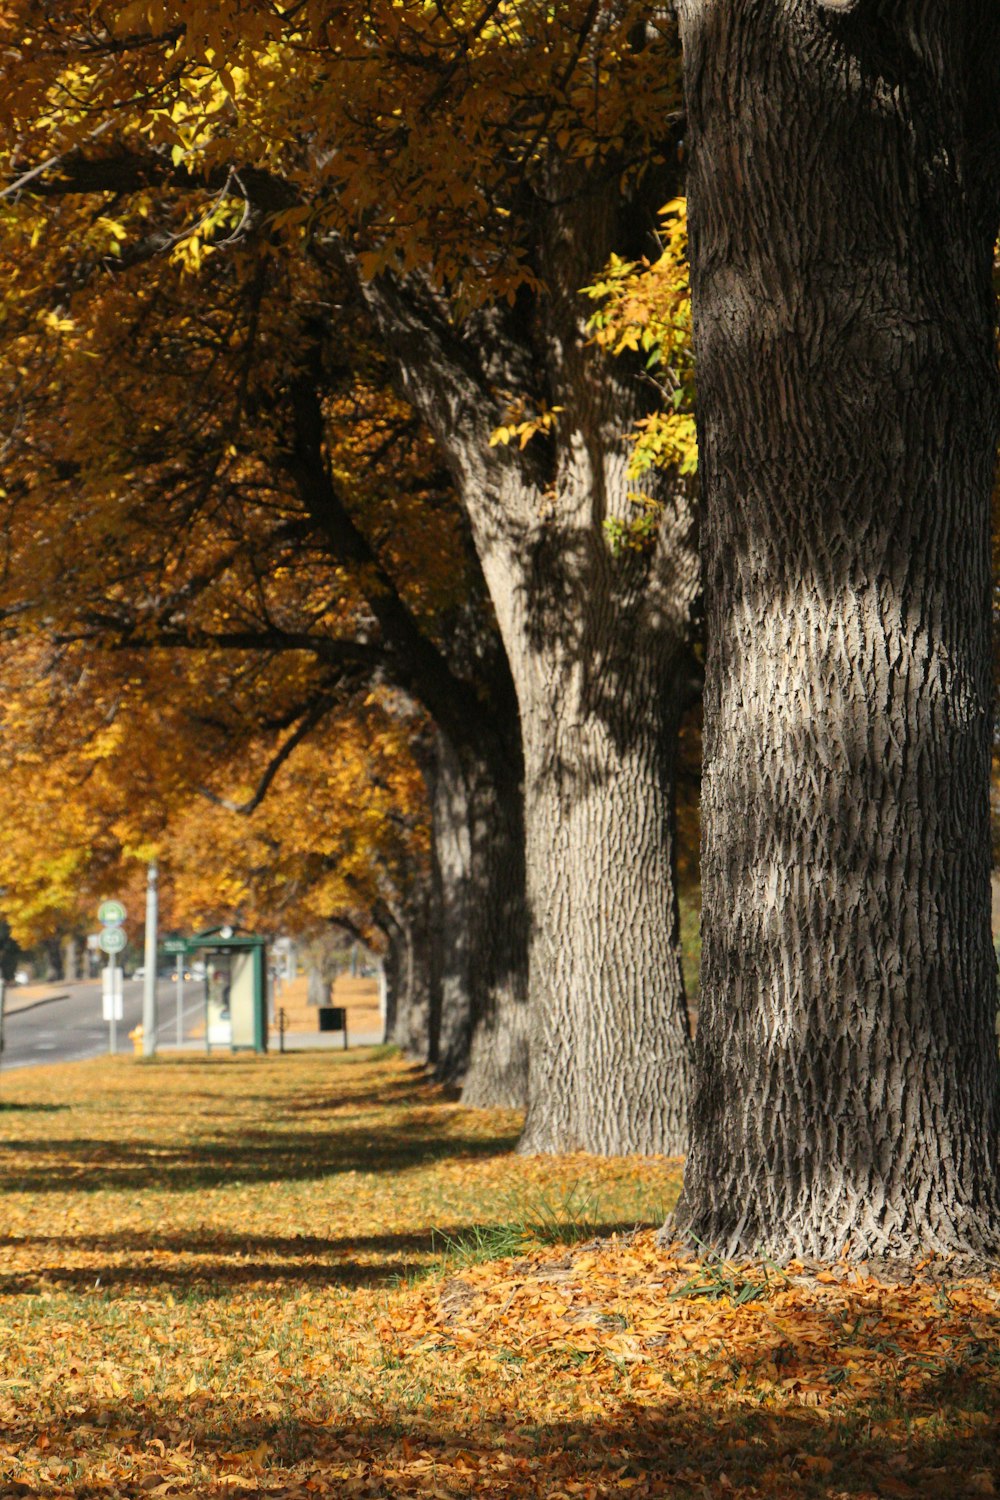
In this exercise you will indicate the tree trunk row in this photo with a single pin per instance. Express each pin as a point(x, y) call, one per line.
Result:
point(844, 206)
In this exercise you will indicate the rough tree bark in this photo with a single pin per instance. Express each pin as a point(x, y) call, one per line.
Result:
point(597, 643)
point(479, 1027)
point(609, 1043)
point(392, 959)
point(452, 1024)
point(497, 914)
point(842, 223)
point(481, 927)
point(409, 976)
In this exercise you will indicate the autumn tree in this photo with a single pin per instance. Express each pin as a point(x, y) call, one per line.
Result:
point(342, 839)
point(844, 199)
point(264, 496)
point(465, 170)
point(111, 758)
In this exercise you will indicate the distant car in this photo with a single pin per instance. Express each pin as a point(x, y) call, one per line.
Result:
point(139, 973)
point(22, 977)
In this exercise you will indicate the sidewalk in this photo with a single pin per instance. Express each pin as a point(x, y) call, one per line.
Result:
point(299, 1041)
point(322, 1041)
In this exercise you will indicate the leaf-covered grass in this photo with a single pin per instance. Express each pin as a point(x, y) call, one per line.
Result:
point(313, 1275)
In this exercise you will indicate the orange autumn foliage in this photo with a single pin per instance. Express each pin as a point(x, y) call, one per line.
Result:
point(110, 760)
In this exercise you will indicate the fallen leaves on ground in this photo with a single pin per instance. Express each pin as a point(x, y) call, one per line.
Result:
point(314, 1275)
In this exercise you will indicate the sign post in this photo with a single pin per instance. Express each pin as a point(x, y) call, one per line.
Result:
point(149, 1015)
point(112, 940)
point(178, 946)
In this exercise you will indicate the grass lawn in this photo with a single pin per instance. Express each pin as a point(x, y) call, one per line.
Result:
point(314, 1275)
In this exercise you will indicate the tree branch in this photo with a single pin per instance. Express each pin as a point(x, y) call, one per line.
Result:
point(60, 157)
point(310, 719)
point(419, 666)
point(366, 654)
point(122, 171)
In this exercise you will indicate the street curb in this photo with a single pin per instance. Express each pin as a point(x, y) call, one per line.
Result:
point(22, 1010)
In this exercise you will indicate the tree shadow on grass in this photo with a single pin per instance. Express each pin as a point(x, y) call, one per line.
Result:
point(683, 1448)
point(95, 1163)
point(336, 1057)
point(220, 1264)
point(342, 1091)
point(207, 1242)
point(10, 1106)
point(390, 1094)
point(207, 1277)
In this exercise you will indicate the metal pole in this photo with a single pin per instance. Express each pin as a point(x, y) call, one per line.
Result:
point(3, 999)
point(149, 1017)
point(113, 1037)
point(180, 998)
point(208, 1042)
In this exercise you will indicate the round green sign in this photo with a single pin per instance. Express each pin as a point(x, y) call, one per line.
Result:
point(111, 913)
point(112, 940)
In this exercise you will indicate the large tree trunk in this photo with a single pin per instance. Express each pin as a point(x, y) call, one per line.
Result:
point(53, 958)
point(409, 976)
point(609, 1044)
point(597, 646)
point(479, 1030)
point(70, 957)
point(596, 642)
point(393, 970)
point(841, 264)
point(317, 984)
point(497, 914)
point(452, 1024)
point(597, 637)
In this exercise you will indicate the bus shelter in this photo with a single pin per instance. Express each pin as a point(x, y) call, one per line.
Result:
point(236, 1005)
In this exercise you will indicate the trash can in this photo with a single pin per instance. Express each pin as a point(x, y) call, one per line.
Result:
point(333, 1018)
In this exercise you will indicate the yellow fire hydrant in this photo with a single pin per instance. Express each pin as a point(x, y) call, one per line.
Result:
point(135, 1037)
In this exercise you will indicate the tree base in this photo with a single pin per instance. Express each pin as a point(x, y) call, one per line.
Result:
point(899, 1238)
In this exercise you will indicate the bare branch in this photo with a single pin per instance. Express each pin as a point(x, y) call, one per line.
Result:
point(53, 161)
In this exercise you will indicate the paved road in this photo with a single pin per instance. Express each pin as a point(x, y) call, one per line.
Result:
point(70, 1029)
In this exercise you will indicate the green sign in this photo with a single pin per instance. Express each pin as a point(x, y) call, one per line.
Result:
point(112, 914)
point(175, 945)
point(112, 940)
